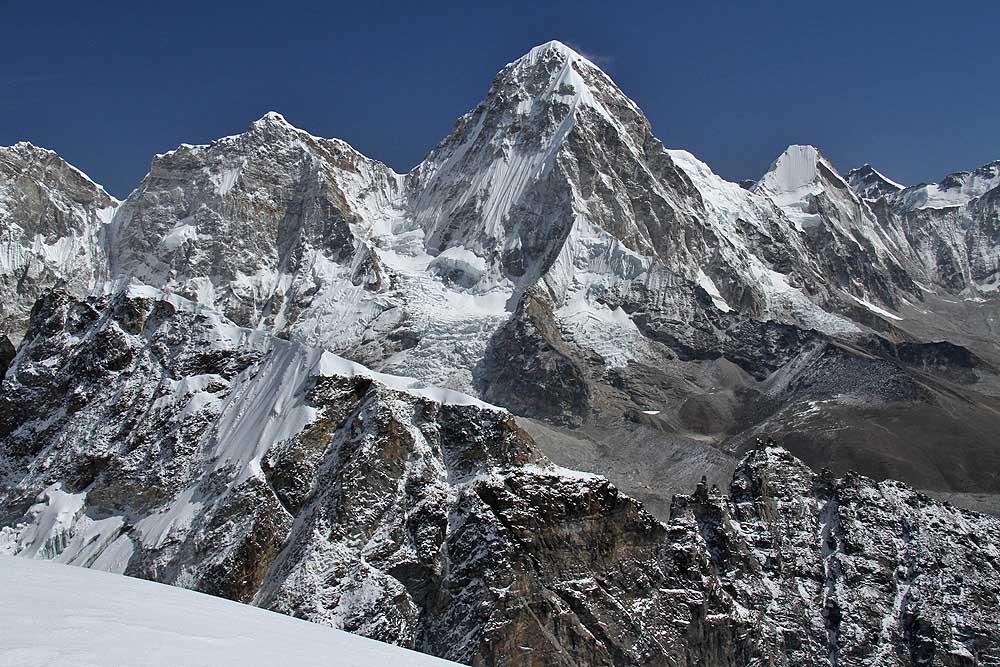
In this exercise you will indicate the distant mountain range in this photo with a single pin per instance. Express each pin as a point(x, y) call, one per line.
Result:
point(281, 373)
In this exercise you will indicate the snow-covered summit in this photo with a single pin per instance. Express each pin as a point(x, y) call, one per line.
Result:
point(273, 123)
point(552, 45)
point(273, 117)
point(269, 133)
point(555, 70)
point(799, 172)
point(799, 175)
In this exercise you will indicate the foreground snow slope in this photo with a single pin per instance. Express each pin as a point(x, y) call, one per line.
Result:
point(60, 615)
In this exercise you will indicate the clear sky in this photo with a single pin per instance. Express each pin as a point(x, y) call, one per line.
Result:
point(909, 86)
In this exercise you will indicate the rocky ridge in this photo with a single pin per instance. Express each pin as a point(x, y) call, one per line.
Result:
point(869, 183)
point(53, 225)
point(145, 434)
point(953, 227)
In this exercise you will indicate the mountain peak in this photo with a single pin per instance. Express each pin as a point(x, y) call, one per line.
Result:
point(796, 168)
point(512, 140)
point(38, 159)
point(268, 128)
point(274, 122)
point(28, 148)
point(800, 174)
point(869, 183)
point(555, 67)
point(552, 46)
point(273, 118)
point(555, 74)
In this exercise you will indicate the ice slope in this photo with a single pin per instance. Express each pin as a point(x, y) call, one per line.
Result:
point(55, 614)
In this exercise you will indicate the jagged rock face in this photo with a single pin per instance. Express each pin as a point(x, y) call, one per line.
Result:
point(142, 434)
point(856, 253)
point(196, 453)
point(51, 220)
point(261, 225)
point(531, 369)
point(941, 235)
point(172, 445)
point(952, 226)
point(956, 254)
point(851, 571)
point(982, 240)
point(869, 183)
point(7, 353)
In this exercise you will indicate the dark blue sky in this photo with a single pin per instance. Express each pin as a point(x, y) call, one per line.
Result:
point(909, 86)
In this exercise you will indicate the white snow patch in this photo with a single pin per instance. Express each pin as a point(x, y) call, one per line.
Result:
point(175, 519)
point(790, 182)
point(178, 236)
point(875, 309)
point(331, 364)
point(898, 186)
point(709, 286)
point(609, 332)
point(226, 179)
